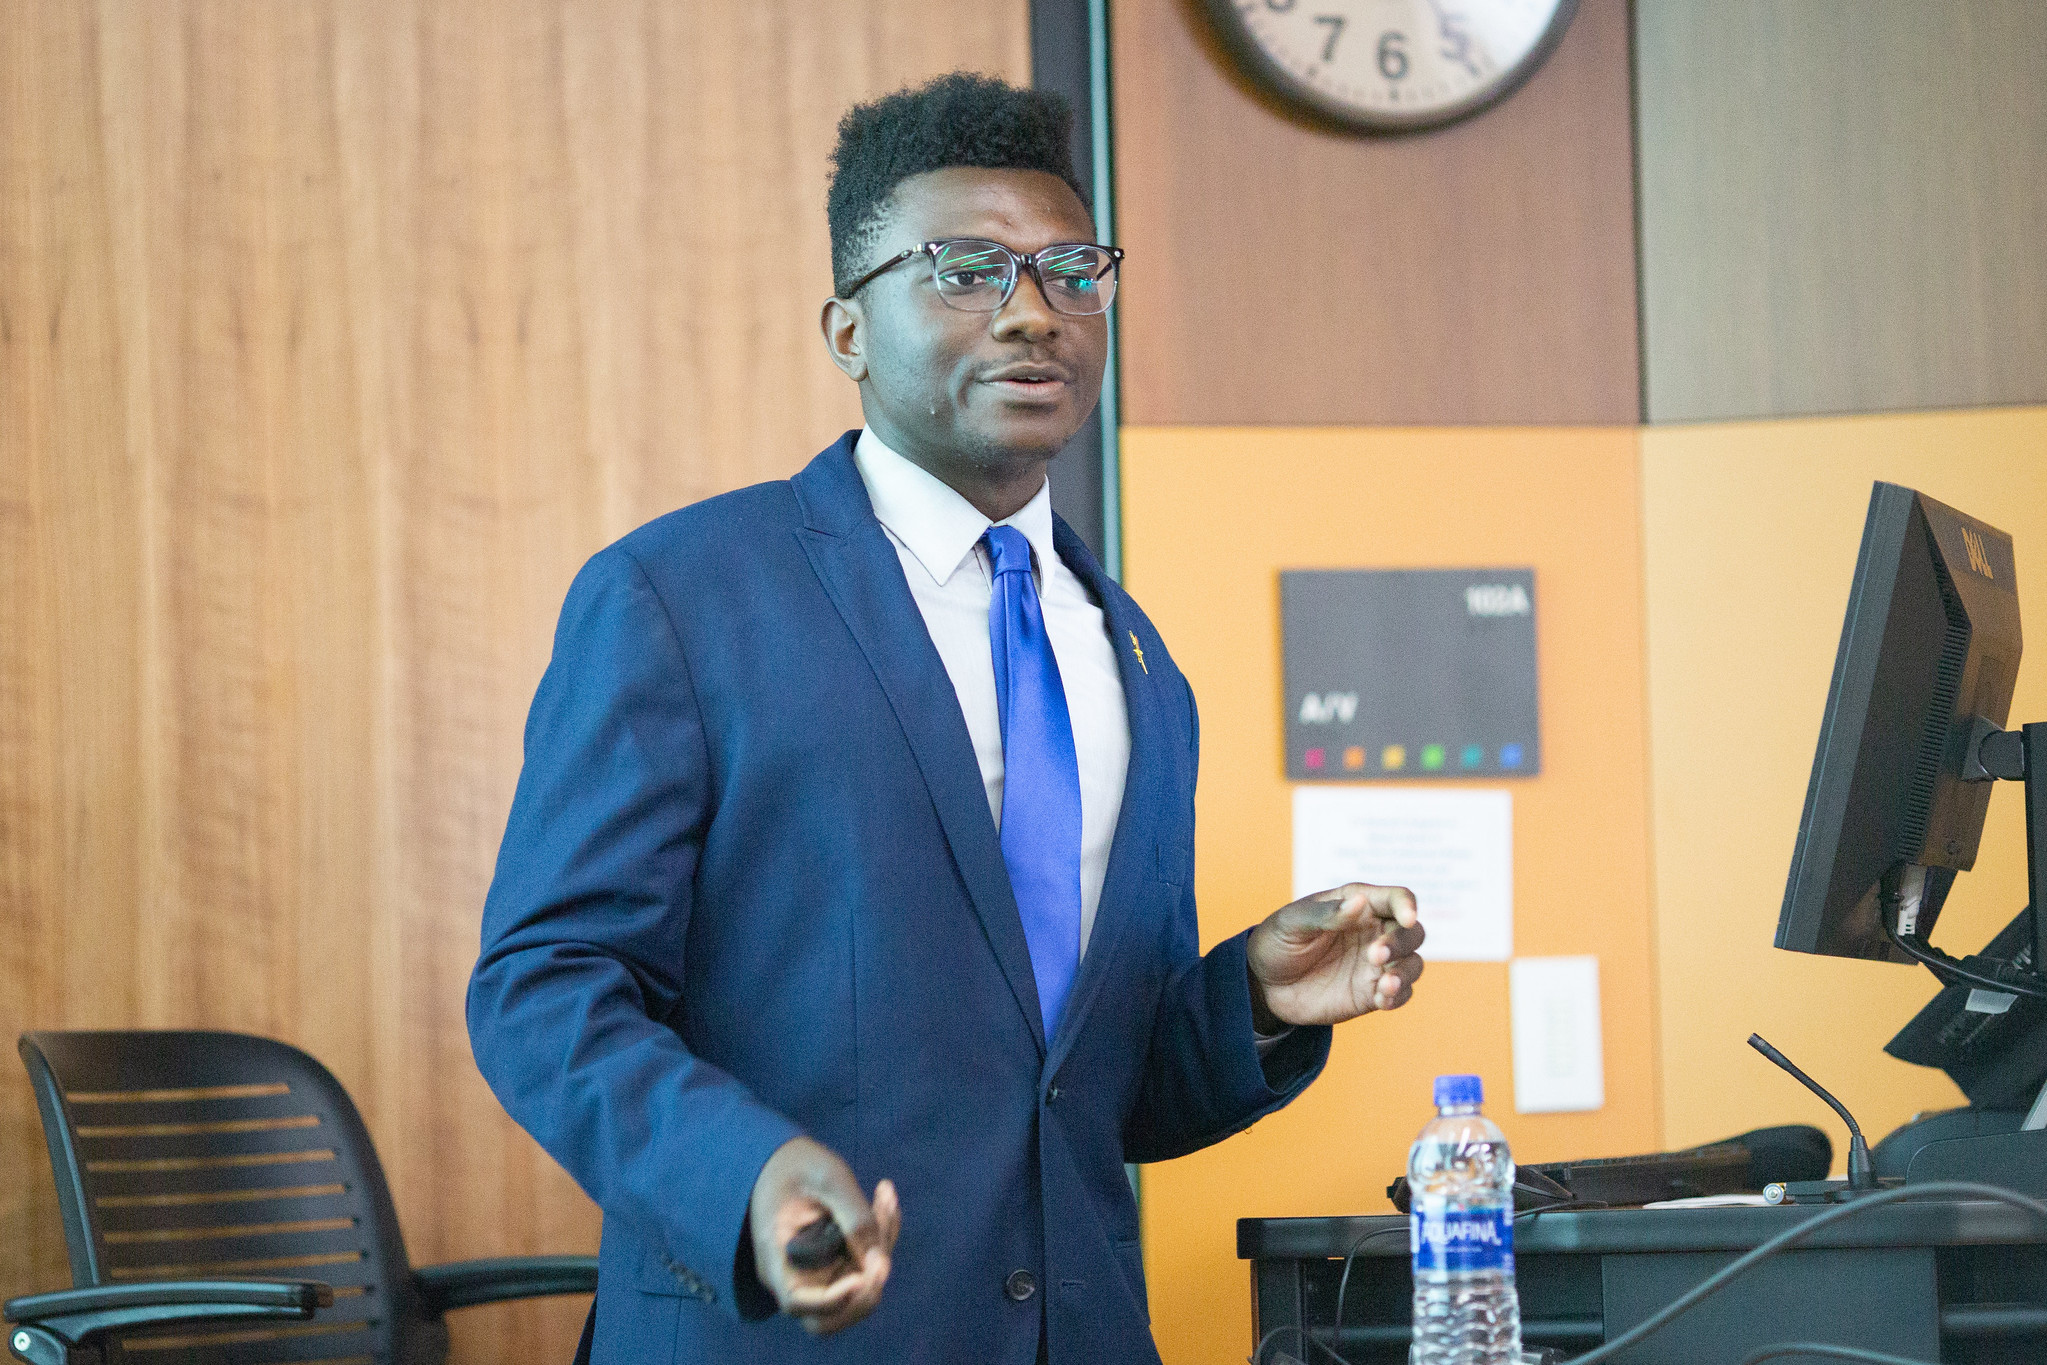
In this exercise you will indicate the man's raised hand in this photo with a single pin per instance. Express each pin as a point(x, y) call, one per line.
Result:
point(1334, 955)
point(802, 1181)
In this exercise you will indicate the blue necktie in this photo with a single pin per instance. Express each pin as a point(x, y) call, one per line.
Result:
point(1040, 775)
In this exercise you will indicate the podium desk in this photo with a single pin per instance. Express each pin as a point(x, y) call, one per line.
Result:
point(1961, 1282)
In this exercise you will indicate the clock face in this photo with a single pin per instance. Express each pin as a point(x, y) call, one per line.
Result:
point(1390, 65)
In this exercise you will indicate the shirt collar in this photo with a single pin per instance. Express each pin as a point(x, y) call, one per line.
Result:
point(938, 526)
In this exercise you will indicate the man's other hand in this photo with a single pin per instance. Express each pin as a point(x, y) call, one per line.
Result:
point(802, 1180)
point(1333, 956)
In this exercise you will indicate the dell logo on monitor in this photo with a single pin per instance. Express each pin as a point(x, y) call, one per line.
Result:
point(1978, 560)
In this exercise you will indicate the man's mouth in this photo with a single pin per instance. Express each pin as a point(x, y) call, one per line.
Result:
point(1029, 381)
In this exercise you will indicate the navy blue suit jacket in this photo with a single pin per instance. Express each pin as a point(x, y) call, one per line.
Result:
point(750, 888)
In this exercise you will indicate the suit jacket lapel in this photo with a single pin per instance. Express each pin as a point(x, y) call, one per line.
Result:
point(1130, 883)
point(863, 576)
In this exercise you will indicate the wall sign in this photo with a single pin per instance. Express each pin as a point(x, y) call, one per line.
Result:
point(1394, 674)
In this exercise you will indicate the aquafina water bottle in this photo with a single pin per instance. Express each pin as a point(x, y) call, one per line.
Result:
point(1460, 1180)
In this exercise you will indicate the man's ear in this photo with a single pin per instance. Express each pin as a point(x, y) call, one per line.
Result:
point(845, 336)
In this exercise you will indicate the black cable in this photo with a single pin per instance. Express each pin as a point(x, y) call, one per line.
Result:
point(1324, 1347)
point(1820, 1348)
point(1563, 1206)
point(1717, 1281)
point(1952, 973)
point(1343, 1283)
point(1950, 969)
point(1258, 1351)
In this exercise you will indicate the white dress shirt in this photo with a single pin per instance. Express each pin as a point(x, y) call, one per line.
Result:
point(937, 535)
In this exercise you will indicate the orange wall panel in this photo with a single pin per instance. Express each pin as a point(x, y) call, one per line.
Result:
point(1751, 532)
point(1212, 516)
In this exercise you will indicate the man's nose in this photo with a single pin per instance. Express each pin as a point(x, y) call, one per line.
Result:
point(1026, 315)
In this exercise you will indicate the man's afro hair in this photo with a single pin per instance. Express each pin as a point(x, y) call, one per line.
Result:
point(961, 119)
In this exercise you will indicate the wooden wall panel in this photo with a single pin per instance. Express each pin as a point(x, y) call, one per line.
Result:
point(1214, 515)
point(1842, 205)
point(70, 603)
point(1280, 274)
point(332, 338)
point(1750, 532)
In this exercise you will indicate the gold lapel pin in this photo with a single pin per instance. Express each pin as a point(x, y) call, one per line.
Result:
point(1138, 650)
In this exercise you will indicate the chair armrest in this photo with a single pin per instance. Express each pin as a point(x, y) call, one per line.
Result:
point(72, 1315)
point(463, 1284)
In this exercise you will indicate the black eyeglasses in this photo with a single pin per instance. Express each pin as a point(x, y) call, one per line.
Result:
point(974, 276)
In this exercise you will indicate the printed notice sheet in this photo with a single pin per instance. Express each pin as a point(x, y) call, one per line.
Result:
point(1453, 848)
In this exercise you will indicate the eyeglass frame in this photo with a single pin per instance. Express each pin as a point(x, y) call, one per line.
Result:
point(1023, 262)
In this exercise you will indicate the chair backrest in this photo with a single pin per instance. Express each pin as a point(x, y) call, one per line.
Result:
point(190, 1156)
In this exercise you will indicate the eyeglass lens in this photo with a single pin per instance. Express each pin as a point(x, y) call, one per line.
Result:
point(977, 277)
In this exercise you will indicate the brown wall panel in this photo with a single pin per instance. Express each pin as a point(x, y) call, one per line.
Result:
point(1280, 274)
point(332, 338)
point(1842, 206)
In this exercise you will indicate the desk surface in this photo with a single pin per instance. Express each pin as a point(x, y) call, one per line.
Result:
point(1933, 1223)
point(1947, 1279)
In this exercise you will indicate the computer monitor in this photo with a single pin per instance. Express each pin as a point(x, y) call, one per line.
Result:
point(1911, 742)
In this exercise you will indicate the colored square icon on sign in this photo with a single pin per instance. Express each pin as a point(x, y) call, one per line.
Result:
point(1432, 756)
point(1393, 757)
point(1473, 755)
point(1312, 759)
point(1354, 757)
point(1510, 755)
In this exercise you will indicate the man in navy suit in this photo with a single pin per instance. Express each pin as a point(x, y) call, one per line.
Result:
point(854, 846)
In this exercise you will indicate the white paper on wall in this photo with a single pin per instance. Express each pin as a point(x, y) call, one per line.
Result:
point(1454, 848)
point(1559, 1064)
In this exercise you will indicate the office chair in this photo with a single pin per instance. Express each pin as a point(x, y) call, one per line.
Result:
point(195, 1171)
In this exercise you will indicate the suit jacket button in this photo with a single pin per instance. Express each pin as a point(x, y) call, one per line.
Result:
point(1020, 1285)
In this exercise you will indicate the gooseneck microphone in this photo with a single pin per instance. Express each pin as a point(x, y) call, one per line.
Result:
point(1861, 1174)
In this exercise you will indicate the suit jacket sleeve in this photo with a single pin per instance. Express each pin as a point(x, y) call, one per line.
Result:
point(583, 939)
point(1203, 1078)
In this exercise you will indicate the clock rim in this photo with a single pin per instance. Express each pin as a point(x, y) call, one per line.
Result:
point(1275, 80)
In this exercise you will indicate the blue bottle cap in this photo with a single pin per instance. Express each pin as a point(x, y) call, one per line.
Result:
point(1459, 1092)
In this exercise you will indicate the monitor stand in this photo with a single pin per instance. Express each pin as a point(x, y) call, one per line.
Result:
point(2014, 1160)
point(1990, 1146)
point(2013, 755)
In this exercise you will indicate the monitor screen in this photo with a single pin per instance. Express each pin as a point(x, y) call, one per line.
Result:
point(1929, 652)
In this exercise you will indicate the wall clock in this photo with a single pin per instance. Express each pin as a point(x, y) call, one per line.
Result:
point(1390, 65)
